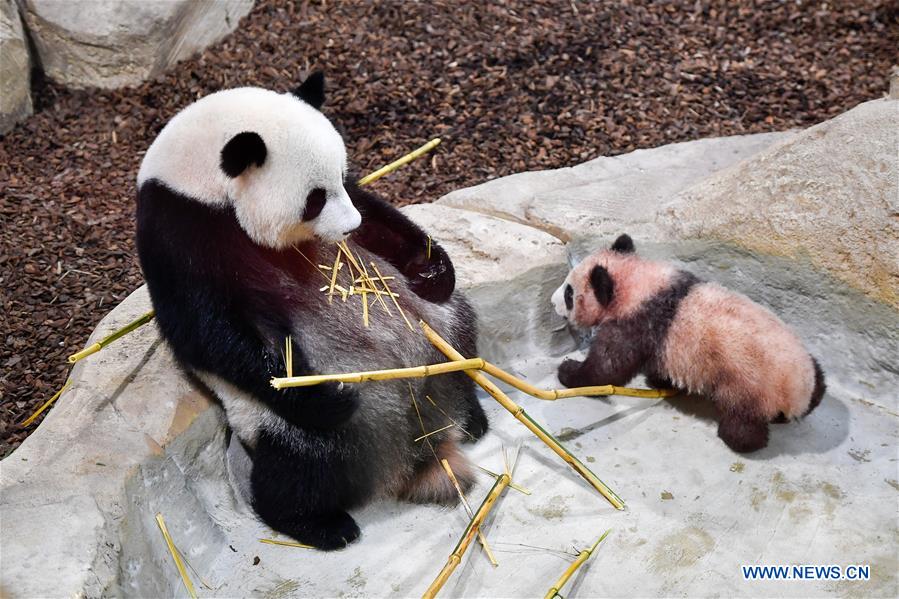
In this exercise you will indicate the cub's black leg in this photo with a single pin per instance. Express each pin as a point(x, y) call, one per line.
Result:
point(658, 381)
point(743, 432)
point(305, 495)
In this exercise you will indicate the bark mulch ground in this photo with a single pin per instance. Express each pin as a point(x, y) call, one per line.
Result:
point(510, 86)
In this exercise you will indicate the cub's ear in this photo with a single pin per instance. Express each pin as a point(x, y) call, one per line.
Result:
point(241, 151)
point(623, 244)
point(312, 91)
point(603, 286)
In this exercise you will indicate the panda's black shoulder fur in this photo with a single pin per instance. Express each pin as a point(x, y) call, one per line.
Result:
point(180, 240)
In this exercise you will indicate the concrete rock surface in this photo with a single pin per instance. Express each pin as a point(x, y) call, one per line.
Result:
point(116, 43)
point(829, 195)
point(134, 437)
point(15, 68)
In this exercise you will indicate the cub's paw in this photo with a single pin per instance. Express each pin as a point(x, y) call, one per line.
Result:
point(330, 405)
point(569, 372)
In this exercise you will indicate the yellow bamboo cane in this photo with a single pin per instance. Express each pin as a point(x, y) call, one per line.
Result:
point(582, 557)
point(95, 347)
point(377, 375)
point(386, 170)
point(523, 417)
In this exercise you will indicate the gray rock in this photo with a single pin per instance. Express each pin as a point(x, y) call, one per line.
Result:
point(15, 68)
point(116, 43)
point(829, 195)
point(134, 437)
point(607, 195)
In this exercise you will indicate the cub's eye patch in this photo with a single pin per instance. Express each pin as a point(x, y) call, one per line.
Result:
point(315, 203)
point(569, 297)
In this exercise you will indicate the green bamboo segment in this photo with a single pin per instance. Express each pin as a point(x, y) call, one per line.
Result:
point(582, 557)
point(94, 348)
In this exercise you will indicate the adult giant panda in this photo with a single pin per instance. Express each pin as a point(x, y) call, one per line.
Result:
point(235, 186)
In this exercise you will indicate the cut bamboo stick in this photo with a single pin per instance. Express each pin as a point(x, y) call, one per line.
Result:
point(377, 375)
point(176, 556)
point(386, 170)
point(47, 404)
point(471, 530)
point(439, 430)
point(512, 484)
point(95, 347)
point(582, 557)
point(554, 394)
point(481, 538)
point(286, 543)
point(393, 296)
point(519, 413)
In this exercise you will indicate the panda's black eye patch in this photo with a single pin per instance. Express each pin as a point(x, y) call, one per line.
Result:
point(569, 297)
point(315, 203)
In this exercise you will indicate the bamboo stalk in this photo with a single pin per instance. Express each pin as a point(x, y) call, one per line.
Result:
point(334, 277)
point(47, 404)
point(481, 538)
point(554, 394)
point(512, 484)
point(393, 296)
point(473, 527)
point(94, 348)
point(582, 557)
point(386, 170)
point(377, 375)
point(439, 430)
point(519, 413)
point(286, 543)
point(176, 555)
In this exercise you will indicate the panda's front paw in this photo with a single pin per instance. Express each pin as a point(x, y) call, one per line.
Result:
point(432, 277)
point(330, 405)
point(569, 373)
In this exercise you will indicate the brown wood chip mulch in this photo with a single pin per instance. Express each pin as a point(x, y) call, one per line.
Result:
point(510, 86)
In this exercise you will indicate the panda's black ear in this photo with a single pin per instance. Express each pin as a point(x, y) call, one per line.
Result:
point(312, 91)
point(623, 244)
point(241, 151)
point(603, 286)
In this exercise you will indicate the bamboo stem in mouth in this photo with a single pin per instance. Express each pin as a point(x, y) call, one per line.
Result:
point(378, 375)
point(95, 347)
point(519, 413)
point(386, 170)
point(582, 557)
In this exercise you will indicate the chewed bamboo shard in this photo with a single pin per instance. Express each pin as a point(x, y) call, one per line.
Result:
point(95, 347)
point(471, 530)
point(582, 557)
point(176, 556)
point(519, 413)
point(47, 404)
point(285, 543)
point(481, 538)
point(377, 375)
point(386, 170)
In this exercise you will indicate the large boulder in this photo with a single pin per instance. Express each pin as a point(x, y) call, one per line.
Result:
point(829, 195)
point(15, 68)
point(115, 43)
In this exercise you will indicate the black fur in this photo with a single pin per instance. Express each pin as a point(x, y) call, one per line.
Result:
point(624, 244)
point(171, 227)
point(315, 203)
point(819, 390)
point(603, 285)
point(390, 234)
point(569, 297)
point(625, 347)
point(312, 90)
point(241, 151)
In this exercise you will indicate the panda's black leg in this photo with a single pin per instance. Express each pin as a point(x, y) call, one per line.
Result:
point(742, 431)
point(476, 421)
point(301, 496)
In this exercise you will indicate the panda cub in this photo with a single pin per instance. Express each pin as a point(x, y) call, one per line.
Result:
point(692, 335)
point(239, 197)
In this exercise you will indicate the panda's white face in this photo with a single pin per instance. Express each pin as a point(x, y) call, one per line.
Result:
point(277, 161)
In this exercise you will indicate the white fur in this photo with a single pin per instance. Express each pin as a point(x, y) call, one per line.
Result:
point(304, 152)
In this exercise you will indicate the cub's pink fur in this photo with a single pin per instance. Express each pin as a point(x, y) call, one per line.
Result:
point(696, 336)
